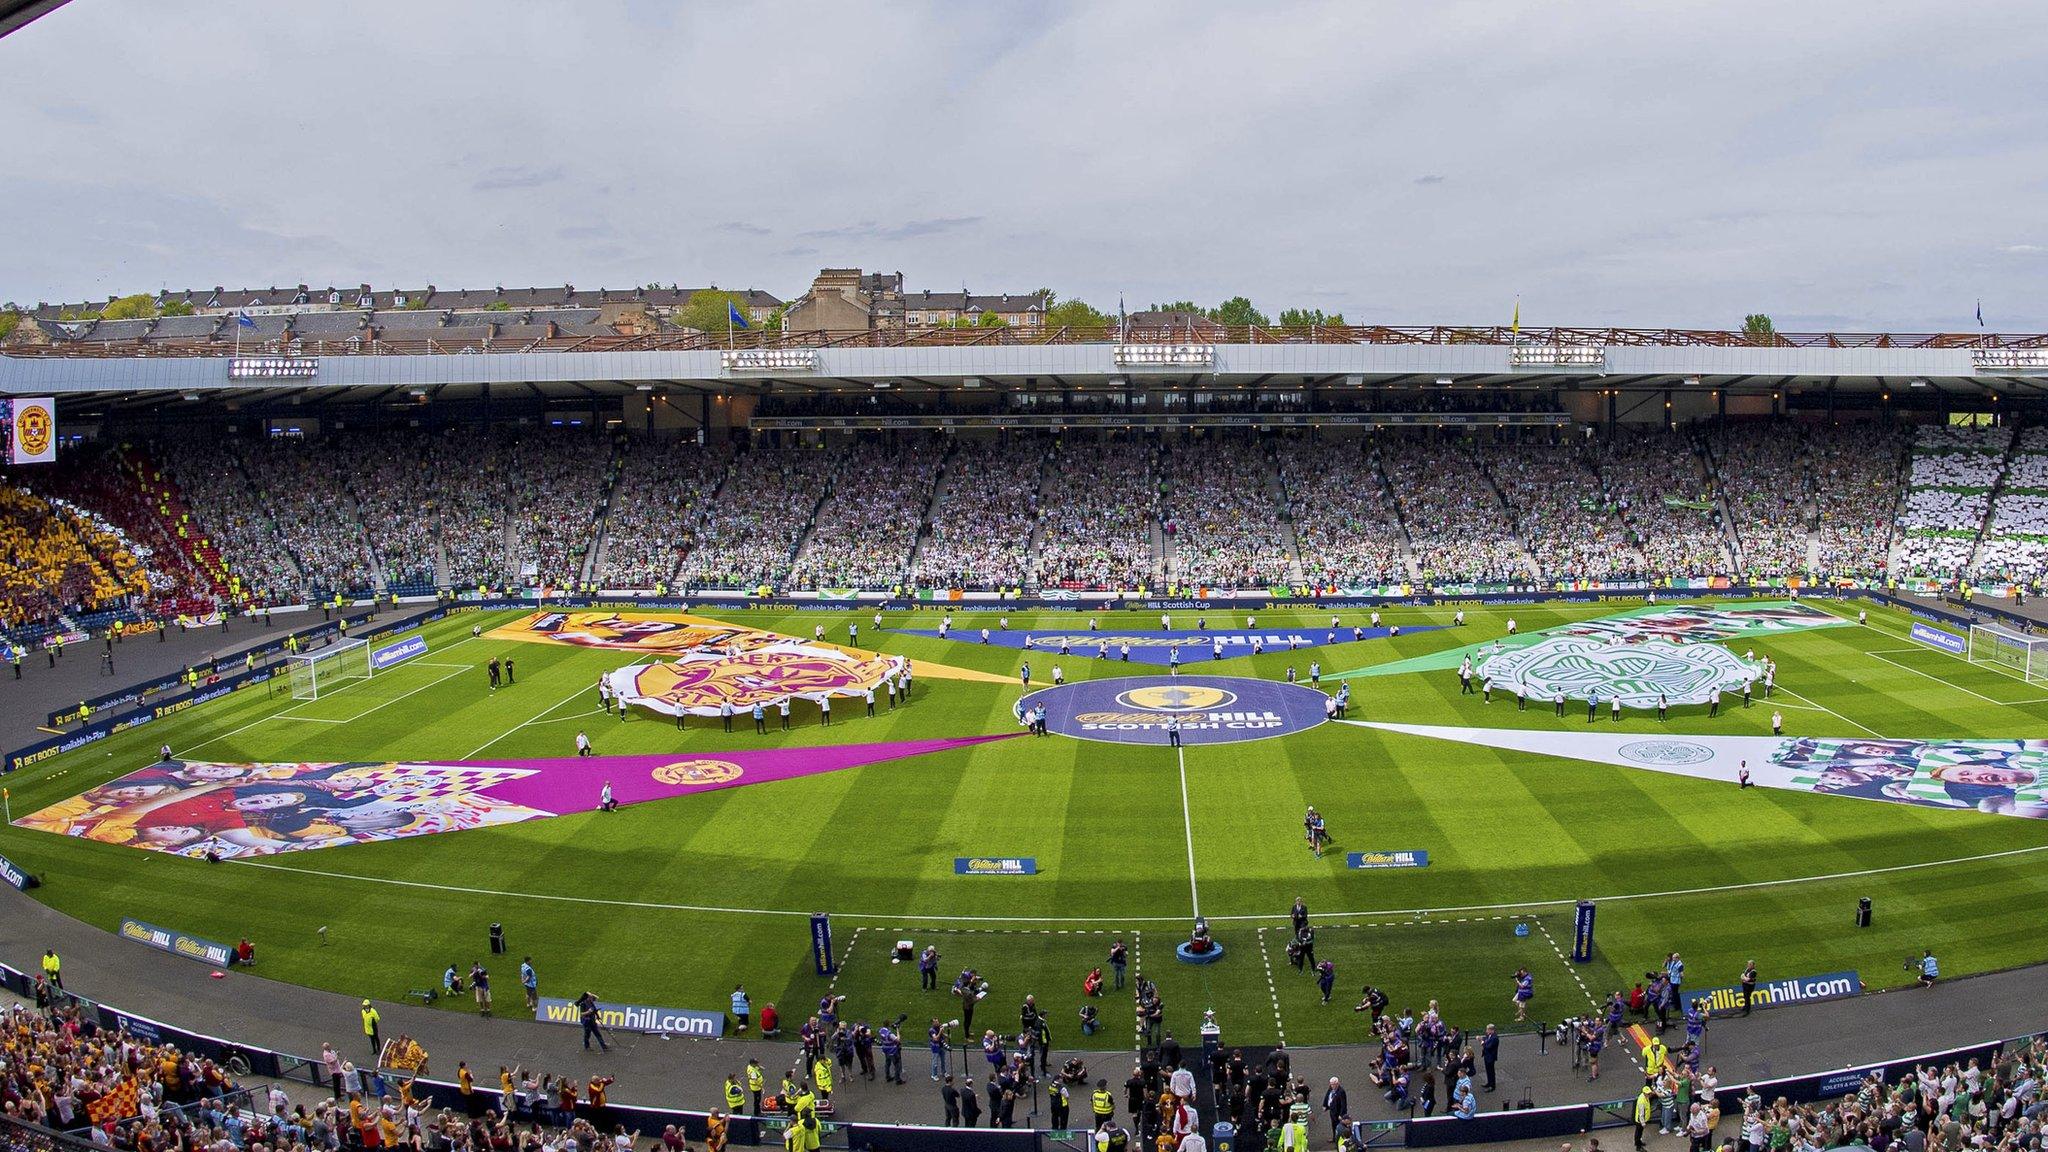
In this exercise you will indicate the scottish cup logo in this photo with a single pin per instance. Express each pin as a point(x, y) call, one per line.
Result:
point(1196, 709)
point(1177, 697)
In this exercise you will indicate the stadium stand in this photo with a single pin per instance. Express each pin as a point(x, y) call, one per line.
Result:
point(1856, 472)
point(1948, 498)
point(1456, 523)
point(2015, 545)
point(204, 523)
point(742, 544)
point(1224, 526)
point(660, 493)
point(56, 559)
point(980, 535)
point(866, 529)
point(1099, 533)
point(1658, 481)
point(1763, 478)
point(1345, 531)
point(1566, 522)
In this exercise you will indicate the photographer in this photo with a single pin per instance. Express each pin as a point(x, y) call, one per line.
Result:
point(1930, 969)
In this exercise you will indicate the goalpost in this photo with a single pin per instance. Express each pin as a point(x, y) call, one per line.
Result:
point(326, 671)
point(2012, 652)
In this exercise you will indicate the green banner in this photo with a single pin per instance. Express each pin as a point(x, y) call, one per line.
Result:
point(1686, 622)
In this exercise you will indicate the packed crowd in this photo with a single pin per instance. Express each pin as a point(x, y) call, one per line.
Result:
point(302, 485)
point(1456, 523)
point(2015, 544)
point(395, 484)
point(748, 538)
point(105, 489)
point(1947, 1108)
point(287, 519)
point(1344, 528)
point(659, 494)
point(864, 533)
point(54, 559)
point(1948, 498)
point(1098, 534)
point(554, 480)
point(1763, 476)
point(211, 479)
point(1223, 525)
point(62, 1071)
point(1564, 518)
point(980, 533)
point(1855, 493)
point(1656, 479)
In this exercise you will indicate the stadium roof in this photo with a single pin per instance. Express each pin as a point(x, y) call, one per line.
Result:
point(464, 359)
point(18, 14)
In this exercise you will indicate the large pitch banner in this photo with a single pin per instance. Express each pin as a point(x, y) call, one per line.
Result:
point(1676, 625)
point(684, 636)
point(2007, 777)
point(706, 683)
point(193, 808)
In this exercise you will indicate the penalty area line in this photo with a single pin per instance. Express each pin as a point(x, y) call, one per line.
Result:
point(598, 901)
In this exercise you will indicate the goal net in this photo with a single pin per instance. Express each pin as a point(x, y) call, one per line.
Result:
point(2013, 652)
point(315, 674)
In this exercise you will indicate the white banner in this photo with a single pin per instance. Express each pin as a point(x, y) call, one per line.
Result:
point(2009, 777)
point(33, 439)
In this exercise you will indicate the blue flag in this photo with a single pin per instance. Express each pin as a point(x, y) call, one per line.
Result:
point(732, 315)
point(242, 318)
point(1980, 313)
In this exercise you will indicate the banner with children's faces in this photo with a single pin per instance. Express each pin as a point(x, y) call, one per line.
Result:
point(2006, 777)
point(204, 808)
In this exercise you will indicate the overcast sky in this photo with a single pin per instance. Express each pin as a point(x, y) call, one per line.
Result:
point(1847, 166)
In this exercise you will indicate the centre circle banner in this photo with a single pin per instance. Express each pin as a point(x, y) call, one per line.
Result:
point(1209, 709)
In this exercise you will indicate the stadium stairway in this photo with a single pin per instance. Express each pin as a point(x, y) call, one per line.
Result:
point(245, 1008)
point(1276, 491)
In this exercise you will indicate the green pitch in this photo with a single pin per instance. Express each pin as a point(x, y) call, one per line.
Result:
point(673, 902)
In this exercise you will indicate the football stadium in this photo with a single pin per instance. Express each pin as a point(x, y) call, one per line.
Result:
point(542, 716)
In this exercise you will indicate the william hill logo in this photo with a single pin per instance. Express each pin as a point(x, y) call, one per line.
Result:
point(1792, 990)
point(995, 865)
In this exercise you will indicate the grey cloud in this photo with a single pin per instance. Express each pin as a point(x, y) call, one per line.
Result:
point(1702, 172)
point(907, 230)
point(518, 177)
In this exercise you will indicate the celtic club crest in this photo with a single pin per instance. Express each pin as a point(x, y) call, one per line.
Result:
point(1580, 667)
